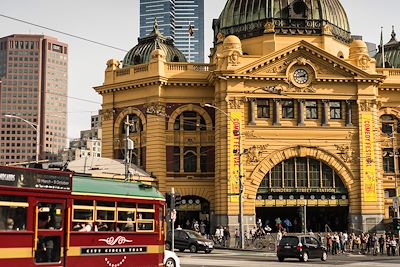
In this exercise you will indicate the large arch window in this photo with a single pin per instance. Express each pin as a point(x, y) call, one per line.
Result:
point(190, 150)
point(389, 124)
point(301, 173)
point(190, 121)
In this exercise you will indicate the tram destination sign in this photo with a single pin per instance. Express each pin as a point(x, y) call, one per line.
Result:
point(36, 179)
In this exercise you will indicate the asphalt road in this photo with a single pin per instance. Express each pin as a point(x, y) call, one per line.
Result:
point(229, 258)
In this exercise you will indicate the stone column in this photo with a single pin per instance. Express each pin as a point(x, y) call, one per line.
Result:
point(325, 112)
point(252, 117)
point(349, 114)
point(276, 118)
point(300, 119)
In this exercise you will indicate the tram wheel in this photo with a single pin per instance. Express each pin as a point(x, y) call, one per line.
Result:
point(170, 263)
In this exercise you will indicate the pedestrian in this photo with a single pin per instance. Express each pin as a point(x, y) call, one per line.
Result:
point(227, 237)
point(202, 228)
point(237, 238)
point(393, 245)
point(278, 237)
point(278, 223)
point(381, 242)
point(288, 224)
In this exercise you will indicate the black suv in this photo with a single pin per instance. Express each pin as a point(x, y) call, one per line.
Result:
point(302, 247)
point(187, 239)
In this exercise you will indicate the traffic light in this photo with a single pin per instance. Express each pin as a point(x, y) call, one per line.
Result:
point(178, 200)
point(168, 199)
point(396, 224)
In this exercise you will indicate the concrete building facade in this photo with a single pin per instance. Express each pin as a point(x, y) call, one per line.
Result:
point(34, 73)
point(290, 110)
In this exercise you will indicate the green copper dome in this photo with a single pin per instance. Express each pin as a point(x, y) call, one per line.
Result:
point(391, 53)
point(247, 18)
point(141, 53)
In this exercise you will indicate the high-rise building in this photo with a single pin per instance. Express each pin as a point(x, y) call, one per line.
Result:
point(181, 20)
point(34, 73)
point(163, 11)
point(189, 29)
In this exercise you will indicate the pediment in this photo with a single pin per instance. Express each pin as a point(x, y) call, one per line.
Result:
point(324, 64)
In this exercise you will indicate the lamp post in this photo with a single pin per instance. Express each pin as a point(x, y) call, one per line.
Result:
point(35, 127)
point(239, 153)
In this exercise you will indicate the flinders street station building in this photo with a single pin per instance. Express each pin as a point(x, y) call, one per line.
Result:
point(291, 114)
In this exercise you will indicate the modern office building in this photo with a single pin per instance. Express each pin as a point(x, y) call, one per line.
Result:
point(163, 11)
point(181, 20)
point(292, 118)
point(189, 29)
point(33, 119)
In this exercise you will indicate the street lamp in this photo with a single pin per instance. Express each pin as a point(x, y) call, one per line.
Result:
point(35, 127)
point(239, 153)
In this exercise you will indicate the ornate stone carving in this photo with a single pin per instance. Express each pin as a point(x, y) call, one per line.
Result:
point(302, 61)
point(254, 153)
point(236, 103)
point(345, 152)
point(269, 27)
point(327, 29)
point(113, 64)
point(107, 114)
point(220, 37)
point(363, 62)
point(234, 58)
point(366, 105)
point(156, 109)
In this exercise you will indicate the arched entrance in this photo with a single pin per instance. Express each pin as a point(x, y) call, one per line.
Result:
point(303, 193)
point(193, 208)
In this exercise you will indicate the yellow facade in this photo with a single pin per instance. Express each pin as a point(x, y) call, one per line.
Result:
point(242, 72)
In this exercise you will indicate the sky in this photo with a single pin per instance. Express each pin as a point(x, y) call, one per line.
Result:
point(116, 23)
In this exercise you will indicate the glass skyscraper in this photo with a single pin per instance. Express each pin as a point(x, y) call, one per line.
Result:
point(174, 18)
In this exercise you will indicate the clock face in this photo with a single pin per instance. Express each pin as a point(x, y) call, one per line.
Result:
point(300, 76)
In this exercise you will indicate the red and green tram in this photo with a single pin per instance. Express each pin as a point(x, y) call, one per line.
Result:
point(56, 218)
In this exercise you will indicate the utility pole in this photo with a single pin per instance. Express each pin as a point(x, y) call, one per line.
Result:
point(129, 146)
point(173, 218)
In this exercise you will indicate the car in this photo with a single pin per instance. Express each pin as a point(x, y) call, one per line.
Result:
point(302, 247)
point(171, 259)
point(188, 239)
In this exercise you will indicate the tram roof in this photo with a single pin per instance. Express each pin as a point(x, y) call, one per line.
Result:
point(110, 188)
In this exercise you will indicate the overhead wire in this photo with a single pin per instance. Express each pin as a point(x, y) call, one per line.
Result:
point(62, 32)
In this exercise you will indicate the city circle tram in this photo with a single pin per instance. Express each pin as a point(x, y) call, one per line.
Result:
point(54, 218)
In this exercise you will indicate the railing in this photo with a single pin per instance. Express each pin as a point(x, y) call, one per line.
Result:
point(141, 68)
point(389, 72)
point(123, 72)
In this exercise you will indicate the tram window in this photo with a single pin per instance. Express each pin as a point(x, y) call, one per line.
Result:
point(145, 216)
point(81, 214)
point(13, 213)
point(49, 216)
point(105, 204)
point(126, 205)
point(79, 202)
point(145, 206)
point(145, 226)
point(105, 215)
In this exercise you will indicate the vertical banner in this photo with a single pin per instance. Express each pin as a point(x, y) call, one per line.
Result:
point(233, 179)
point(368, 159)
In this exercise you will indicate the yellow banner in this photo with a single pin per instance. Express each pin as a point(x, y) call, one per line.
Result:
point(233, 179)
point(368, 158)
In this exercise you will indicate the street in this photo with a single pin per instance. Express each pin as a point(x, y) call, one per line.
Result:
point(232, 258)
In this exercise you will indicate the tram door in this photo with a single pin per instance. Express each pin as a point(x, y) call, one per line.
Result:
point(49, 225)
